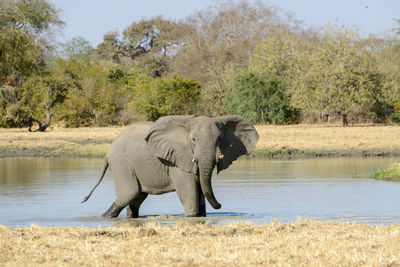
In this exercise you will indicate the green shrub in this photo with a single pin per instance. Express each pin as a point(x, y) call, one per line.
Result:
point(261, 99)
point(166, 96)
point(395, 117)
point(94, 97)
point(390, 173)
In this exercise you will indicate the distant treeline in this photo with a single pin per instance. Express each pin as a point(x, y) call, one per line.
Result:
point(236, 57)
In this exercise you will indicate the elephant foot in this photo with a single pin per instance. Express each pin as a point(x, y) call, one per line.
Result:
point(132, 212)
point(192, 216)
point(195, 215)
point(202, 211)
point(113, 211)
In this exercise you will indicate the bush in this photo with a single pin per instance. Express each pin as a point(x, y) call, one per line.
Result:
point(166, 96)
point(261, 99)
point(94, 97)
point(390, 173)
point(395, 117)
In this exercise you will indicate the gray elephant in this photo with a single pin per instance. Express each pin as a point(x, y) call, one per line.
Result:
point(175, 153)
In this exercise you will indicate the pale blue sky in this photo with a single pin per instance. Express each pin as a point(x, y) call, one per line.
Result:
point(91, 19)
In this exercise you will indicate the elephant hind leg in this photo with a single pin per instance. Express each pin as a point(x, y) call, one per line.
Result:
point(127, 188)
point(132, 211)
point(113, 211)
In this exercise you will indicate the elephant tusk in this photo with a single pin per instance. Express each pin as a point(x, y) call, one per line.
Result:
point(194, 160)
point(221, 157)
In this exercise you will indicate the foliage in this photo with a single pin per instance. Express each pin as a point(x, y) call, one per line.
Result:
point(219, 43)
point(339, 76)
point(149, 43)
point(166, 96)
point(243, 57)
point(261, 99)
point(395, 117)
point(390, 173)
point(93, 97)
point(77, 48)
point(283, 53)
point(23, 25)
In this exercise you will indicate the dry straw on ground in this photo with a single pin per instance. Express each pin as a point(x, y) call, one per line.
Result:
point(58, 142)
point(336, 139)
point(298, 139)
point(303, 243)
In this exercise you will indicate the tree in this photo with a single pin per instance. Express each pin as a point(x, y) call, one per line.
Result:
point(284, 53)
point(45, 92)
point(94, 97)
point(388, 53)
point(23, 25)
point(341, 76)
point(108, 49)
point(149, 43)
point(77, 48)
point(219, 43)
point(261, 99)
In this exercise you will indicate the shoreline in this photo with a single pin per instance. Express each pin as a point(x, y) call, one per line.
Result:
point(61, 152)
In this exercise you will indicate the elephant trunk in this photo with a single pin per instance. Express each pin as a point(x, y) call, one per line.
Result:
point(205, 169)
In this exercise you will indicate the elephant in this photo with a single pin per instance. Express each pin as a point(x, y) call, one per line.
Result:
point(174, 153)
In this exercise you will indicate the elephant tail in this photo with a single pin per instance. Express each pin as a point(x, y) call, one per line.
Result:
point(98, 182)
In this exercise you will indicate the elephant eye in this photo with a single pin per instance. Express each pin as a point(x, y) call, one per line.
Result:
point(193, 139)
point(220, 139)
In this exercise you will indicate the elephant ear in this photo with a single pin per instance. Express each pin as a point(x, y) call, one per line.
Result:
point(240, 138)
point(168, 140)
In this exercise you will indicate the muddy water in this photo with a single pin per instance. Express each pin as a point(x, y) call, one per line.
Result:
point(48, 192)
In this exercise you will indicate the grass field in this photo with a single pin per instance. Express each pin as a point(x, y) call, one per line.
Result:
point(302, 243)
point(319, 140)
point(275, 141)
point(81, 142)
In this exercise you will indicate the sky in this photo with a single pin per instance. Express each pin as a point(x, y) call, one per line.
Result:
point(91, 19)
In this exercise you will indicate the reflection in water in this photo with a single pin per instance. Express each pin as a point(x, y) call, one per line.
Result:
point(48, 191)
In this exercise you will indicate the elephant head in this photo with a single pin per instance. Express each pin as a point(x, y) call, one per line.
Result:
point(198, 144)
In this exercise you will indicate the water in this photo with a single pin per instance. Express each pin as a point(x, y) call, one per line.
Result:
point(48, 192)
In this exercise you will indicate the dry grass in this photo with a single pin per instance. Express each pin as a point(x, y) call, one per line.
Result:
point(58, 142)
point(330, 140)
point(302, 243)
point(274, 141)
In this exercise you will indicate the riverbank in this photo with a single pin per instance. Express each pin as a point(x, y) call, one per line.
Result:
point(302, 243)
point(275, 141)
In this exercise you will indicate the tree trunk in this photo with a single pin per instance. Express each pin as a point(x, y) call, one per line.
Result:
point(344, 118)
point(42, 127)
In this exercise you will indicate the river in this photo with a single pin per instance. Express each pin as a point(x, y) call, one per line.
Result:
point(48, 192)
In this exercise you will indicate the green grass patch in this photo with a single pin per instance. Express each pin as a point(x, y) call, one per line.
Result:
point(391, 173)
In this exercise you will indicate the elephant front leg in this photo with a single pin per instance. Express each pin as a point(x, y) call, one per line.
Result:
point(202, 202)
point(187, 191)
